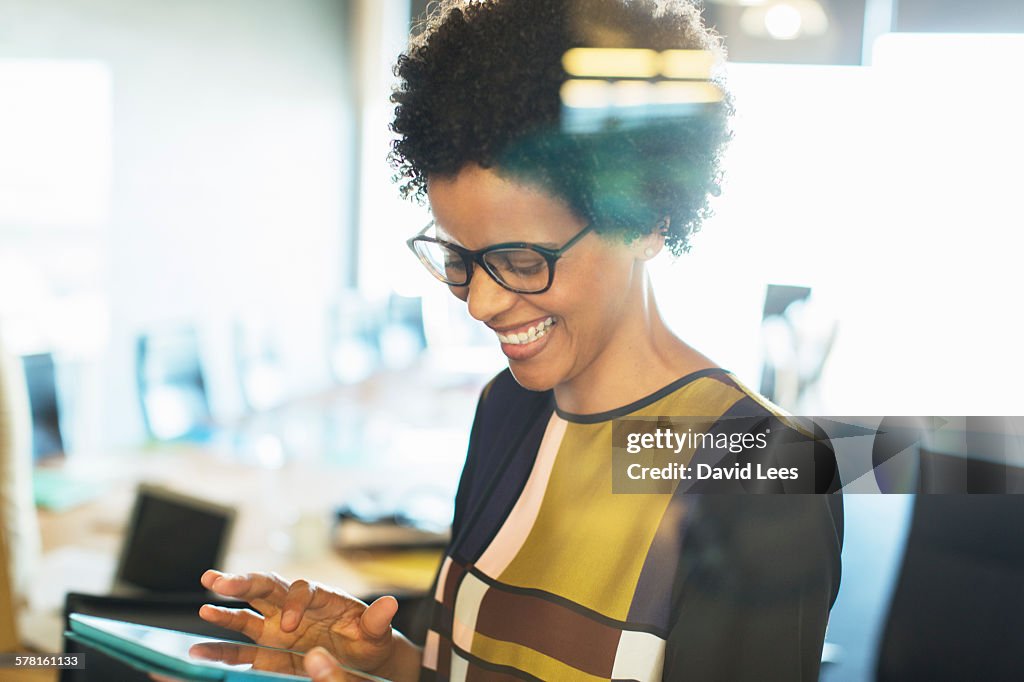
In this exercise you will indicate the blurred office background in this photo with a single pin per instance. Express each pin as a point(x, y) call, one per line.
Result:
point(202, 255)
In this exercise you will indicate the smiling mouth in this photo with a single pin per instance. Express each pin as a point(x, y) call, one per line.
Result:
point(528, 335)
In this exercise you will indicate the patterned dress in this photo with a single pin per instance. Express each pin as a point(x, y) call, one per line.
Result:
point(552, 576)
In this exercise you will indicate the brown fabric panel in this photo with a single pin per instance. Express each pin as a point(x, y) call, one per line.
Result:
point(549, 628)
point(444, 658)
point(456, 572)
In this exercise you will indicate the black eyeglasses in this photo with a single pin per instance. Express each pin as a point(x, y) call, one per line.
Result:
point(518, 266)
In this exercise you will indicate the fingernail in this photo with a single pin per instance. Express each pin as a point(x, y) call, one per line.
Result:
point(317, 662)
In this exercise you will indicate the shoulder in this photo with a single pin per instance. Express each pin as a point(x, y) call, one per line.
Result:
point(507, 429)
point(710, 392)
point(504, 413)
point(744, 400)
point(503, 400)
point(771, 438)
point(794, 440)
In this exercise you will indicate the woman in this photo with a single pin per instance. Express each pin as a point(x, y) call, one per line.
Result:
point(545, 232)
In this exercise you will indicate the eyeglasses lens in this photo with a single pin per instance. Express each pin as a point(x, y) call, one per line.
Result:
point(442, 262)
point(520, 269)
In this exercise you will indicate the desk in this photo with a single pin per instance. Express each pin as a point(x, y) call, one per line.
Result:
point(269, 503)
point(285, 471)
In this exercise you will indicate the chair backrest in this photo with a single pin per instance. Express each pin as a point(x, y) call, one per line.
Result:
point(41, 384)
point(956, 611)
point(172, 386)
point(19, 535)
point(8, 624)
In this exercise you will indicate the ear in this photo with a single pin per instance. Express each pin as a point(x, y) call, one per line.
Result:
point(650, 245)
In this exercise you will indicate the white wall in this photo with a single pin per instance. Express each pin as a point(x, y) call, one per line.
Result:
point(231, 175)
point(892, 191)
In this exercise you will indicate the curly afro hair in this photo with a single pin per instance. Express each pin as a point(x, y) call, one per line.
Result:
point(480, 83)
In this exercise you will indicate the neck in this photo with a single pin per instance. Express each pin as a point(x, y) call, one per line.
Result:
point(642, 357)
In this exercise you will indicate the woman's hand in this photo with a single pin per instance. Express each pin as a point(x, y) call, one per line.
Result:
point(322, 667)
point(256, 657)
point(318, 663)
point(301, 615)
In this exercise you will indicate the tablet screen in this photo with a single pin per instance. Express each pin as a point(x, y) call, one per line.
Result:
point(165, 647)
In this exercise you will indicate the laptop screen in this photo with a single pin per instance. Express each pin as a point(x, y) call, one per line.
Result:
point(171, 541)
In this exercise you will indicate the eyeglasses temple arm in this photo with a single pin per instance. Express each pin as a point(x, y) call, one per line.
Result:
point(579, 236)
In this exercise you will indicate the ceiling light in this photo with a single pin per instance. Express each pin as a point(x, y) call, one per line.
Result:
point(786, 20)
point(783, 21)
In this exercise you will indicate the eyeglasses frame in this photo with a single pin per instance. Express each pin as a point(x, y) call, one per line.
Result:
point(471, 257)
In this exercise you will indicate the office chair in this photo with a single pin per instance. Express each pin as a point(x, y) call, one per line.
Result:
point(402, 334)
point(958, 609)
point(41, 381)
point(353, 342)
point(9, 640)
point(797, 337)
point(259, 364)
point(172, 387)
point(19, 533)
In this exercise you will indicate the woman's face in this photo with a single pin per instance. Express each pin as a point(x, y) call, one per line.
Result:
point(587, 303)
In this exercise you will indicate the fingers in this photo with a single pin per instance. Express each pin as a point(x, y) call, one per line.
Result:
point(300, 596)
point(209, 577)
point(259, 658)
point(306, 599)
point(376, 619)
point(232, 654)
point(249, 623)
point(322, 667)
point(265, 591)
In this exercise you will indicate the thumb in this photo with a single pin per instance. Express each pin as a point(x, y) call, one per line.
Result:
point(376, 619)
point(322, 667)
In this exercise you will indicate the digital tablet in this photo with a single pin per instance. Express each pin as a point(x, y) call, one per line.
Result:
point(181, 655)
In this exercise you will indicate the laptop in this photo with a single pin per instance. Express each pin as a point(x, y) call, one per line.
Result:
point(171, 540)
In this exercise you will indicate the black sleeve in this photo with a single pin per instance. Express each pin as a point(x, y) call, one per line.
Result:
point(419, 622)
point(462, 492)
point(758, 576)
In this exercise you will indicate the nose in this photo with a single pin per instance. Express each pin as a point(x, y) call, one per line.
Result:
point(485, 298)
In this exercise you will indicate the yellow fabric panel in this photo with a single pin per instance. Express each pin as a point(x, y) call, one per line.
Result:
point(587, 544)
point(528, 660)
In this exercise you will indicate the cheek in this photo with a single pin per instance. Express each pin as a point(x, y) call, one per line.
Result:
point(593, 300)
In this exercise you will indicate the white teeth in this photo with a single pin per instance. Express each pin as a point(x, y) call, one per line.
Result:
point(530, 335)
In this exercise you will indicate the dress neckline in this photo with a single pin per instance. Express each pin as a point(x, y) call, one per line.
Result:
point(617, 412)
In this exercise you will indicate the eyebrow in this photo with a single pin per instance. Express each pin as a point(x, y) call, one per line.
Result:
point(445, 236)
